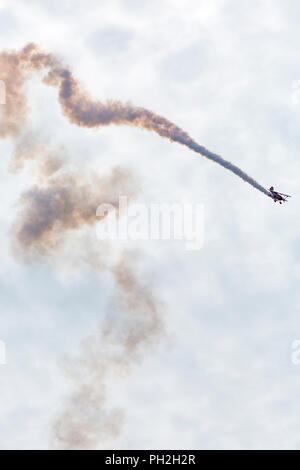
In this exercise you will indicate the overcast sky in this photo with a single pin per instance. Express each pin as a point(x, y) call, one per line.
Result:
point(225, 71)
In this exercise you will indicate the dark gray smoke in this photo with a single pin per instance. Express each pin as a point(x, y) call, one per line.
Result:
point(83, 111)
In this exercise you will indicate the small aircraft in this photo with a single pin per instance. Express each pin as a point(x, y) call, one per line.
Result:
point(278, 196)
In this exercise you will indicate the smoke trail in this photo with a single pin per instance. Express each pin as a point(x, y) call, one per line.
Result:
point(47, 160)
point(134, 322)
point(81, 110)
point(13, 74)
point(65, 200)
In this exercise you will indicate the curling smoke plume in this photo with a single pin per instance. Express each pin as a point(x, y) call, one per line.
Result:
point(66, 202)
point(135, 321)
point(81, 110)
point(63, 200)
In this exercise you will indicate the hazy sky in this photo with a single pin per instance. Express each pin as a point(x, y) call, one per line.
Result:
point(227, 73)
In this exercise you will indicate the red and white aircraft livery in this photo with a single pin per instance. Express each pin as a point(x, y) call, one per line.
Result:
point(278, 196)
